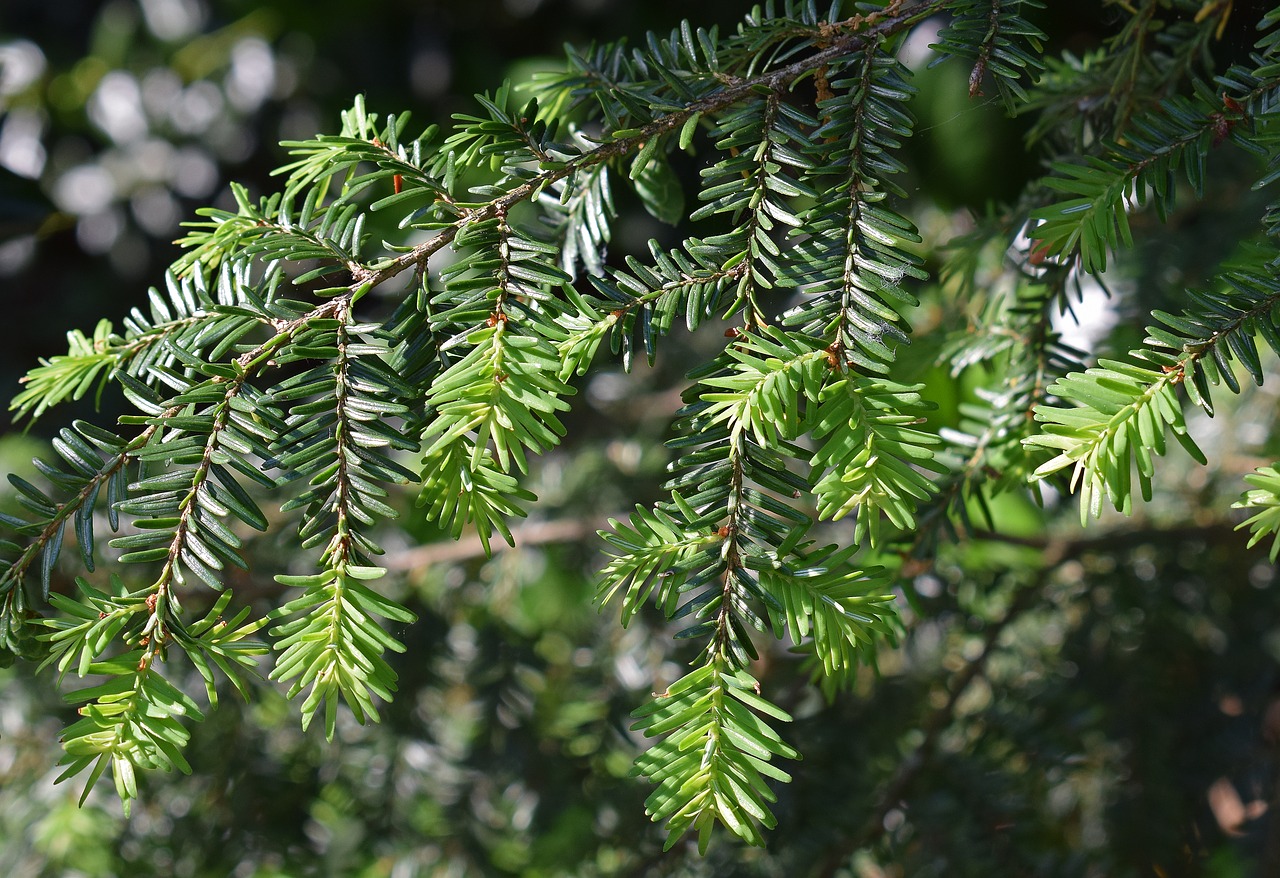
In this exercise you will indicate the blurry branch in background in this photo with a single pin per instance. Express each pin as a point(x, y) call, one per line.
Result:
point(537, 533)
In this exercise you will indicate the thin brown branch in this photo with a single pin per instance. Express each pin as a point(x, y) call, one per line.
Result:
point(534, 533)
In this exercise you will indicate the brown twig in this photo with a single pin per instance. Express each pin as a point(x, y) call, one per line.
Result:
point(535, 533)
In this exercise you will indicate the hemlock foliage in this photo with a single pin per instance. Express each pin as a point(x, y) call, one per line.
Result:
point(416, 311)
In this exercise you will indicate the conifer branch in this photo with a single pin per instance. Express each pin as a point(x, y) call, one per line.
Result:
point(253, 380)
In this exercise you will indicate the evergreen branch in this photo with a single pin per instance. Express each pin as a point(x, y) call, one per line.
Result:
point(329, 233)
point(761, 393)
point(715, 760)
point(89, 626)
point(710, 767)
point(86, 366)
point(852, 260)
point(1103, 189)
point(213, 641)
point(832, 608)
point(461, 487)
point(653, 555)
point(509, 135)
point(274, 228)
point(337, 433)
point(333, 162)
point(133, 721)
point(1120, 414)
point(625, 141)
point(870, 458)
point(503, 397)
point(83, 448)
point(242, 231)
point(504, 392)
point(470, 374)
point(581, 331)
point(688, 282)
point(763, 139)
point(182, 509)
point(730, 640)
point(1264, 501)
point(214, 241)
point(190, 318)
point(981, 30)
point(732, 478)
point(335, 645)
point(1223, 326)
point(130, 722)
point(1119, 411)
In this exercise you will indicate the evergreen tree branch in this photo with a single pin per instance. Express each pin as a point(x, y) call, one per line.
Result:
point(335, 644)
point(625, 142)
point(1118, 411)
